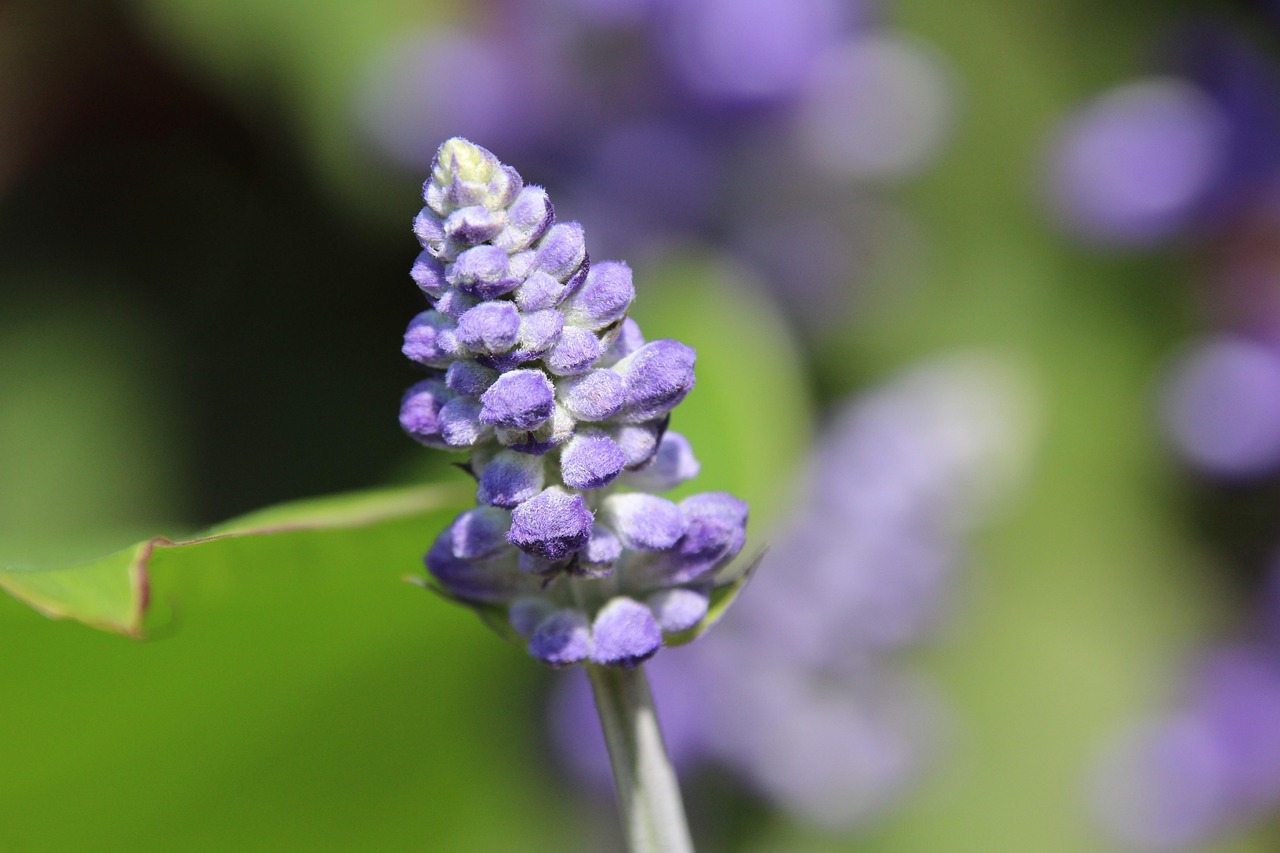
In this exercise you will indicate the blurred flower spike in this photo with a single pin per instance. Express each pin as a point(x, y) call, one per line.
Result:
point(535, 369)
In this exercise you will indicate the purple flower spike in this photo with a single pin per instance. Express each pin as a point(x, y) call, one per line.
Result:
point(490, 327)
point(482, 271)
point(604, 297)
point(658, 375)
point(562, 250)
point(591, 460)
point(624, 633)
point(479, 532)
point(420, 411)
point(521, 399)
point(469, 379)
point(575, 352)
point(460, 423)
point(551, 525)
point(561, 639)
point(428, 273)
point(679, 609)
point(595, 395)
point(672, 465)
point(431, 340)
point(510, 479)
point(537, 370)
point(644, 522)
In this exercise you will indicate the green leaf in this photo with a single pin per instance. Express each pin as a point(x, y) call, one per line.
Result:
point(113, 592)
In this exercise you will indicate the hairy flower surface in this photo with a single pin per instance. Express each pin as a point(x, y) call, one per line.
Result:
point(534, 368)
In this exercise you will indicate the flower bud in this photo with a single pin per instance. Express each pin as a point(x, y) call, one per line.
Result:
point(520, 399)
point(644, 522)
point(591, 460)
point(658, 375)
point(490, 327)
point(672, 465)
point(604, 297)
point(431, 340)
point(510, 479)
point(624, 633)
point(551, 525)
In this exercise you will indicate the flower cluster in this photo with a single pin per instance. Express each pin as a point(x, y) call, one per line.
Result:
point(535, 368)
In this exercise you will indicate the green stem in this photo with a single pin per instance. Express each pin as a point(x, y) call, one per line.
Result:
point(648, 794)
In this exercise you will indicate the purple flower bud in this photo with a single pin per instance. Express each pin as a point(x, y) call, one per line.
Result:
point(510, 479)
point(525, 614)
point(553, 524)
point(428, 273)
point(594, 395)
point(602, 551)
point(672, 465)
point(479, 532)
point(539, 331)
point(639, 441)
point(576, 350)
point(470, 226)
point(490, 327)
point(562, 250)
point(658, 375)
point(482, 271)
point(430, 233)
point(604, 297)
point(521, 399)
point(561, 639)
point(624, 633)
point(454, 303)
point(431, 339)
point(591, 460)
point(460, 423)
point(539, 291)
point(468, 378)
point(627, 339)
point(464, 174)
point(716, 530)
point(528, 218)
point(679, 609)
point(644, 522)
point(489, 579)
point(420, 411)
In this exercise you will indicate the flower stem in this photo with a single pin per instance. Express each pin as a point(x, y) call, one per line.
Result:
point(648, 794)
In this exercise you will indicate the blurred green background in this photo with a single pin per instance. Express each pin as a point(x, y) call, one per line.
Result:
point(202, 288)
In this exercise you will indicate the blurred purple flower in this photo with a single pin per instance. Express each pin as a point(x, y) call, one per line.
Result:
point(1222, 407)
point(1132, 167)
point(1180, 781)
point(746, 50)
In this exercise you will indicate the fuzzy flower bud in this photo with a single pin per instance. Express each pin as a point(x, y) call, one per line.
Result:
point(534, 368)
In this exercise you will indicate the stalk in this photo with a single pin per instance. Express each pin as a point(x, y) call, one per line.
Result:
point(648, 794)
